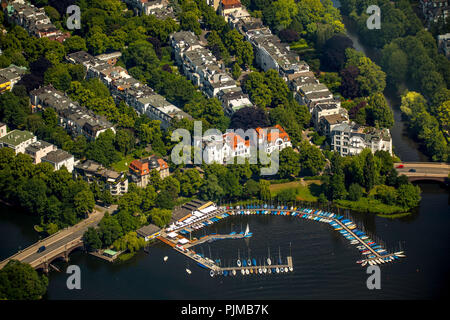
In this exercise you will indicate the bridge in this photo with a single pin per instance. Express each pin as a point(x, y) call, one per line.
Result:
point(416, 171)
point(58, 245)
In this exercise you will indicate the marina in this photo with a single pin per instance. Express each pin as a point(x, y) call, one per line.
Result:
point(176, 236)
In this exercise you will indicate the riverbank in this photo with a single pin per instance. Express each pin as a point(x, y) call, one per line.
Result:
point(369, 205)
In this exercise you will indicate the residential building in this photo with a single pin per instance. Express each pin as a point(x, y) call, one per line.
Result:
point(17, 140)
point(273, 138)
point(351, 139)
point(222, 149)
point(435, 10)
point(124, 87)
point(328, 110)
point(110, 58)
point(10, 76)
point(159, 8)
point(115, 182)
point(227, 7)
point(77, 120)
point(444, 44)
point(39, 149)
point(140, 170)
point(60, 158)
point(3, 129)
point(214, 3)
point(32, 19)
point(233, 99)
point(148, 232)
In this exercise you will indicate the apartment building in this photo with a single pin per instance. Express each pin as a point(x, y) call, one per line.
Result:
point(76, 119)
point(90, 171)
point(352, 139)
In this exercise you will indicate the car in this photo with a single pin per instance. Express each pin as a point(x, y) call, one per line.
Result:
point(400, 166)
point(41, 249)
point(412, 170)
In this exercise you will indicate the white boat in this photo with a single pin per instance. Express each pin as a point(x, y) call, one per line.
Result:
point(260, 271)
point(188, 271)
point(242, 271)
point(165, 258)
point(238, 262)
point(291, 269)
point(233, 272)
point(211, 273)
point(286, 269)
point(265, 270)
point(400, 252)
point(364, 263)
point(246, 271)
point(278, 270)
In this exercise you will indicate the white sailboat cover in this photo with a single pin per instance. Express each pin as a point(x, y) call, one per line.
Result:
point(208, 209)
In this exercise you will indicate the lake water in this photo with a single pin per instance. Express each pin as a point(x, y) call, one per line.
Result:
point(324, 262)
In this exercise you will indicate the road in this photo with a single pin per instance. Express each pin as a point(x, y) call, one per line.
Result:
point(423, 169)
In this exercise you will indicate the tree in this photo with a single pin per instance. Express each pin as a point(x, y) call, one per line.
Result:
point(109, 230)
point(408, 196)
point(378, 112)
point(289, 163)
point(189, 21)
point(284, 11)
point(349, 86)
point(251, 188)
point(355, 192)
point(19, 281)
point(91, 239)
point(311, 159)
point(211, 190)
point(160, 217)
point(264, 190)
point(287, 195)
point(75, 44)
point(84, 202)
point(249, 118)
point(333, 52)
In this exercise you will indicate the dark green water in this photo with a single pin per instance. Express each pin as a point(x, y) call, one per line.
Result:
point(324, 261)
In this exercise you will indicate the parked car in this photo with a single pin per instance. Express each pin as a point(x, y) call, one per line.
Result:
point(412, 170)
point(399, 166)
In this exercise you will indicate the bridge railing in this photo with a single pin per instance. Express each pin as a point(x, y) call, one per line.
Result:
point(30, 246)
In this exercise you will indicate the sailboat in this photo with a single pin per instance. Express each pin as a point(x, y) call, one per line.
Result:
point(238, 262)
point(247, 233)
point(269, 262)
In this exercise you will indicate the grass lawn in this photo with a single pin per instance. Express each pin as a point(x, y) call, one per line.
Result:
point(369, 205)
point(306, 190)
point(123, 164)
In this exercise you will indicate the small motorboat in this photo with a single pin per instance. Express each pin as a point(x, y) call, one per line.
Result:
point(165, 258)
point(246, 271)
point(242, 271)
point(233, 272)
point(211, 273)
point(188, 271)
